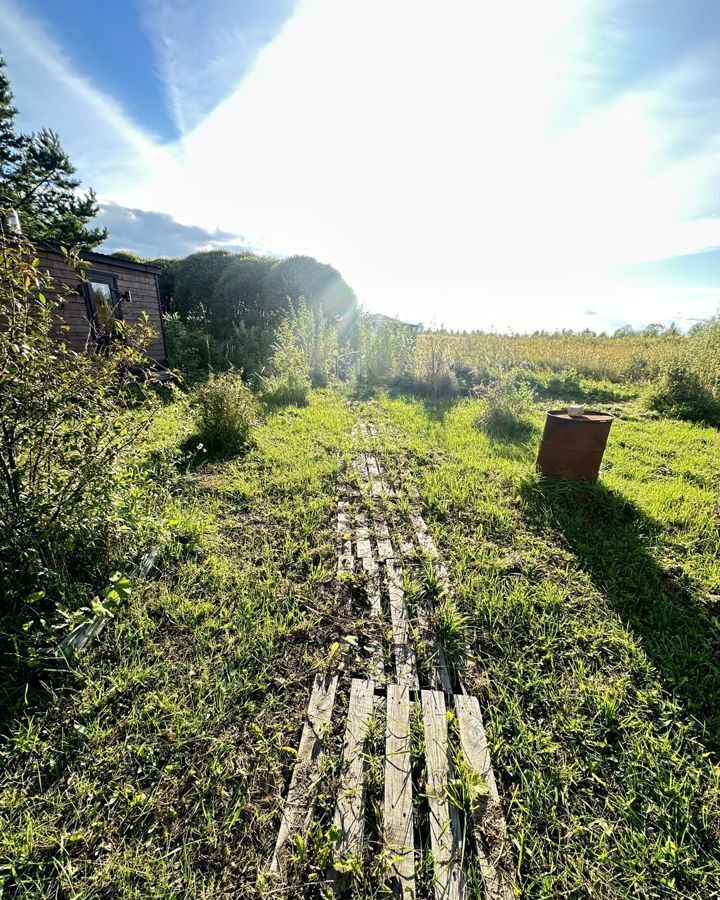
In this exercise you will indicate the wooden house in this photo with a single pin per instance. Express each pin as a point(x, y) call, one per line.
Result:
point(113, 288)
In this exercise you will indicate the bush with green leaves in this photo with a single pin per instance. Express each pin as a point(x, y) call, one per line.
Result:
point(318, 339)
point(187, 348)
point(195, 280)
point(679, 392)
point(288, 383)
point(704, 351)
point(70, 426)
point(506, 400)
point(224, 413)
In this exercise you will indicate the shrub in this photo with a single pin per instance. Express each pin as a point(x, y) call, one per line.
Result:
point(195, 278)
point(564, 384)
point(187, 347)
point(679, 392)
point(239, 295)
point(704, 351)
point(433, 370)
point(224, 412)
point(505, 403)
point(289, 379)
point(68, 442)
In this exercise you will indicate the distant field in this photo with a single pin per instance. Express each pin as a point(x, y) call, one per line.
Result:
point(621, 358)
point(590, 628)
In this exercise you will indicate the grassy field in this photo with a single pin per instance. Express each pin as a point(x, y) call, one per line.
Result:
point(156, 769)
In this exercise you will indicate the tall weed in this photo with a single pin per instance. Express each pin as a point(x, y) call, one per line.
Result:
point(289, 380)
point(506, 400)
point(224, 412)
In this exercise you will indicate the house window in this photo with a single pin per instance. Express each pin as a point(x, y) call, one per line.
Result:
point(104, 306)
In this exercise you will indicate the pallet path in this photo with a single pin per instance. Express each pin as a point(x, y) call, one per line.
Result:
point(298, 804)
point(370, 541)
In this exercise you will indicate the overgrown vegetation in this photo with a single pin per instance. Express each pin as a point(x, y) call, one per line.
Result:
point(225, 309)
point(587, 625)
point(507, 401)
point(680, 391)
point(72, 499)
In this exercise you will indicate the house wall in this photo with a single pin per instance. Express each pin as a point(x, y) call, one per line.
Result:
point(73, 325)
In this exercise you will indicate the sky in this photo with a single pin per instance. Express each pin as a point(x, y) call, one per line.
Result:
point(508, 165)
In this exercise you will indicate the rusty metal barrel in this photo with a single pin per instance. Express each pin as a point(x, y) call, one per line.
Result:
point(572, 446)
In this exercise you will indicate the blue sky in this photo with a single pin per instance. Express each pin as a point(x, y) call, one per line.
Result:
point(511, 165)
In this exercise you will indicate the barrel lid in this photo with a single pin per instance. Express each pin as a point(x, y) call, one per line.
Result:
point(589, 416)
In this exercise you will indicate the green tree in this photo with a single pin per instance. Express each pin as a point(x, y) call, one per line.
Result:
point(38, 180)
point(322, 286)
point(195, 280)
point(241, 295)
point(166, 279)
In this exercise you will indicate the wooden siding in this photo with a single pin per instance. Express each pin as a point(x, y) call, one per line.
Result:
point(73, 325)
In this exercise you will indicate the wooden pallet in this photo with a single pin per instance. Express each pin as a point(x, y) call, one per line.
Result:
point(450, 855)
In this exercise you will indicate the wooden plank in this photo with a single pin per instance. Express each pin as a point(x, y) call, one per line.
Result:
point(444, 821)
point(398, 810)
point(301, 793)
point(427, 544)
point(345, 557)
point(424, 538)
point(350, 808)
point(438, 674)
point(488, 822)
point(405, 663)
point(377, 485)
point(369, 563)
point(407, 549)
point(382, 539)
point(362, 541)
point(359, 465)
point(372, 588)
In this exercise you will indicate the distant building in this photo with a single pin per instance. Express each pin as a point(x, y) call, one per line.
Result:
point(377, 320)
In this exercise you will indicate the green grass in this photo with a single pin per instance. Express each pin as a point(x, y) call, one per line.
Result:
point(156, 769)
point(595, 644)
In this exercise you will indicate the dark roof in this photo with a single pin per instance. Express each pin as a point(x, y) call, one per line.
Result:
point(99, 258)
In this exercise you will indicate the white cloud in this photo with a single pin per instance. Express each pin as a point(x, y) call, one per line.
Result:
point(449, 159)
point(50, 92)
point(202, 49)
